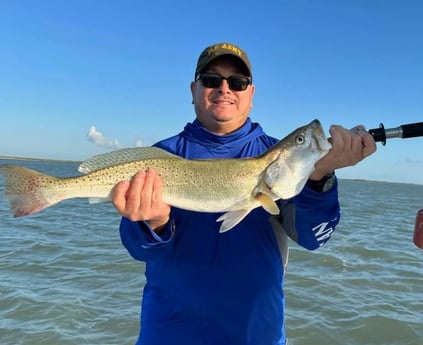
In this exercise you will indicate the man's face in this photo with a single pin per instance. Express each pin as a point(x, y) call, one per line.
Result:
point(222, 110)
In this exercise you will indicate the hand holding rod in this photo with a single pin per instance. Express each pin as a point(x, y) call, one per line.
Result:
point(411, 130)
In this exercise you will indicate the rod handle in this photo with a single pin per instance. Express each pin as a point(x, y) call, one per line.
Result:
point(412, 130)
point(379, 134)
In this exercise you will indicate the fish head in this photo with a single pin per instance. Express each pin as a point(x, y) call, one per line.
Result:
point(295, 158)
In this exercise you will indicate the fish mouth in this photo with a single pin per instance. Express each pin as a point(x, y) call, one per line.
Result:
point(320, 142)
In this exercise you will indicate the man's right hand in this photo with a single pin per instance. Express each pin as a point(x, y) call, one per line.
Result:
point(141, 199)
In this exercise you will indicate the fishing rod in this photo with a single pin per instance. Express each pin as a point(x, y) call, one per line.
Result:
point(411, 130)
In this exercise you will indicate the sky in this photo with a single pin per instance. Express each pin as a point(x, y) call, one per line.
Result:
point(83, 77)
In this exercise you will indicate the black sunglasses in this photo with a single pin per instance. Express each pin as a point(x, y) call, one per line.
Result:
point(214, 81)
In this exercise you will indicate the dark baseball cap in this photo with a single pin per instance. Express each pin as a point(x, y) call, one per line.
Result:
point(220, 49)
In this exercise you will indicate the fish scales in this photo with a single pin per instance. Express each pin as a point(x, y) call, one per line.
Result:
point(201, 185)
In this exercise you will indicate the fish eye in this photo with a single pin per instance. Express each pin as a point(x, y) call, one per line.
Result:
point(300, 139)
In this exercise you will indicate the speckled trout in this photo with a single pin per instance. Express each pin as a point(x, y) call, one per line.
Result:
point(232, 186)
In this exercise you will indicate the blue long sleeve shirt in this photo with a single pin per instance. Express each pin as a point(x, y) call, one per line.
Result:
point(211, 288)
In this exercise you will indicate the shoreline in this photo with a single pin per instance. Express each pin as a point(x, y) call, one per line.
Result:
point(74, 161)
point(37, 159)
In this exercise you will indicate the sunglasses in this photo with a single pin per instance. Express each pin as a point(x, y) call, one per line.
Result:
point(213, 81)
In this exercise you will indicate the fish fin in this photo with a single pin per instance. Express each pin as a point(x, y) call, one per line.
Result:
point(123, 156)
point(97, 200)
point(268, 203)
point(231, 218)
point(281, 239)
point(26, 190)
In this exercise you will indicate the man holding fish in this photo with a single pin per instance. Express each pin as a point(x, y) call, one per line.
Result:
point(205, 286)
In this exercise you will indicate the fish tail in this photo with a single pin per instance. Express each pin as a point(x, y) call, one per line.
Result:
point(27, 190)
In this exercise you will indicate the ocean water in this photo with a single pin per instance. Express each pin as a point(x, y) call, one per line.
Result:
point(66, 279)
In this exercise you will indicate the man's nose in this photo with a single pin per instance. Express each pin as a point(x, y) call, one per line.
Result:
point(224, 87)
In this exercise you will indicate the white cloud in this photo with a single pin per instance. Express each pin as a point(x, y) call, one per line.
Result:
point(99, 139)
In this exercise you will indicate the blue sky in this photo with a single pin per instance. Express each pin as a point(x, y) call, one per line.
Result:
point(81, 77)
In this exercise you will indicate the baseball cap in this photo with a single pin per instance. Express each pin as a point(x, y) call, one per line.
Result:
point(216, 50)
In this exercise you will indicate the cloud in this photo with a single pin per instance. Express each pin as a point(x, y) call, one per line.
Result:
point(412, 161)
point(99, 139)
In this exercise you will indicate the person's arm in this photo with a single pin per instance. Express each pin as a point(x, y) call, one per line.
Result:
point(310, 218)
point(142, 242)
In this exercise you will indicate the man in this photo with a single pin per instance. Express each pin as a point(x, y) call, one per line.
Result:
point(206, 287)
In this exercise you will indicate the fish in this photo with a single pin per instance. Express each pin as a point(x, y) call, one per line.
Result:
point(230, 186)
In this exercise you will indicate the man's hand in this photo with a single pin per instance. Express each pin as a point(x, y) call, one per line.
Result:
point(141, 199)
point(348, 148)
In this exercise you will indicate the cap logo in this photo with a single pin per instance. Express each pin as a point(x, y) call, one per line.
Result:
point(226, 46)
point(220, 49)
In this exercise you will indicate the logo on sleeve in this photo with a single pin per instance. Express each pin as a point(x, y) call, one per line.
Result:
point(323, 232)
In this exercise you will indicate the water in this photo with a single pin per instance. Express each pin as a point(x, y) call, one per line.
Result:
point(66, 279)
